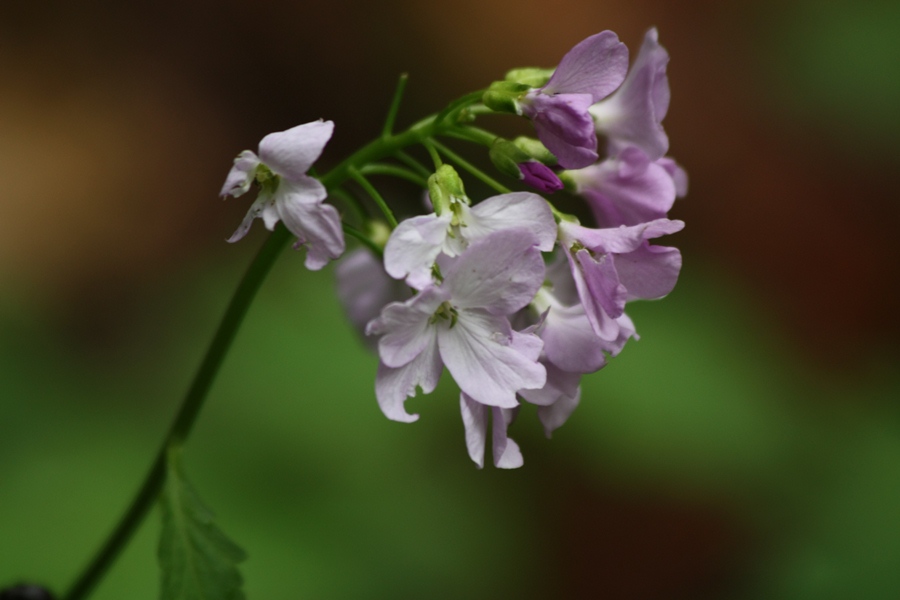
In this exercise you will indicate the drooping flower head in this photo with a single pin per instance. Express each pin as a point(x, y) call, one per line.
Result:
point(589, 72)
point(287, 193)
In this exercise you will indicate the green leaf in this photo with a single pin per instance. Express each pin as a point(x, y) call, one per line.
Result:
point(197, 560)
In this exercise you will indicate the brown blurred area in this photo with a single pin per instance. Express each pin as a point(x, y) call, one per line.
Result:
point(118, 122)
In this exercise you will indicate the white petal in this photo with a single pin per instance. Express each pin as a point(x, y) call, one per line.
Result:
point(556, 414)
point(474, 417)
point(413, 247)
point(522, 210)
point(394, 386)
point(405, 327)
point(258, 208)
point(291, 153)
point(500, 273)
point(485, 359)
point(316, 225)
point(241, 174)
point(506, 452)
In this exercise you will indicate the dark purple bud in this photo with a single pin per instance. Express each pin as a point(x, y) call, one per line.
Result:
point(540, 177)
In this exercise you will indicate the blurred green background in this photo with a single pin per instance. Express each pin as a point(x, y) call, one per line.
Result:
point(748, 446)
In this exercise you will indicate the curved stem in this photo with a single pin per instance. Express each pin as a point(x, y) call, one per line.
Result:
point(475, 171)
point(394, 171)
point(187, 415)
point(373, 193)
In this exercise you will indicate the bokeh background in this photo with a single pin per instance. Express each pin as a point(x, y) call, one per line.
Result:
point(748, 446)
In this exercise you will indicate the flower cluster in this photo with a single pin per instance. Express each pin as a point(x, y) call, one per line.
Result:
point(516, 299)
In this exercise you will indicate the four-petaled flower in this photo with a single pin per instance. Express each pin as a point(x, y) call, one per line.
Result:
point(287, 193)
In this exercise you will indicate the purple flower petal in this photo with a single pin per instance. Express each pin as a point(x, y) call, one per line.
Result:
point(364, 288)
point(564, 125)
point(506, 452)
point(649, 272)
point(570, 342)
point(559, 384)
point(627, 189)
point(632, 115)
point(679, 175)
point(540, 177)
point(595, 66)
point(555, 415)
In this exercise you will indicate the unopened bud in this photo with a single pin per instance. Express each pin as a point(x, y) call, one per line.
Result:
point(506, 156)
point(444, 187)
point(530, 76)
point(503, 96)
point(535, 149)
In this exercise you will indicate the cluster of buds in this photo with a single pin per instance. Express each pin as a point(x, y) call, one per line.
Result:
point(515, 298)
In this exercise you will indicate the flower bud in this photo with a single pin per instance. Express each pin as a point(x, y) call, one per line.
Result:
point(506, 156)
point(503, 96)
point(511, 160)
point(535, 149)
point(445, 187)
point(530, 76)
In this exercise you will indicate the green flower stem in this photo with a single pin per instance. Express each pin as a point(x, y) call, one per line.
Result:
point(395, 107)
point(364, 239)
point(413, 164)
point(370, 189)
point(187, 415)
point(472, 134)
point(475, 171)
point(395, 171)
point(147, 495)
point(350, 201)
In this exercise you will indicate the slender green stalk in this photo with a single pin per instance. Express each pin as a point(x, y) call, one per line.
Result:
point(395, 171)
point(435, 157)
point(184, 421)
point(472, 134)
point(413, 164)
point(370, 189)
point(395, 107)
point(350, 202)
point(475, 171)
point(364, 239)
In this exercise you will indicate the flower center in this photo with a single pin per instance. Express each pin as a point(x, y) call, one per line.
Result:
point(444, 312)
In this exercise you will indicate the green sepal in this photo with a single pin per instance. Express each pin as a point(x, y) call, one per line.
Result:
point(445, 187)
point(507, 157)
point(197, 561)
point(535, 149)
point(530, 76)
point(503, 96)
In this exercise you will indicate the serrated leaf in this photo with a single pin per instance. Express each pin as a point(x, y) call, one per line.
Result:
point(196, 559)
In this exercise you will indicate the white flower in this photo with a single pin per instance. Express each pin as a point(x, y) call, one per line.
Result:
point(287, 193)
